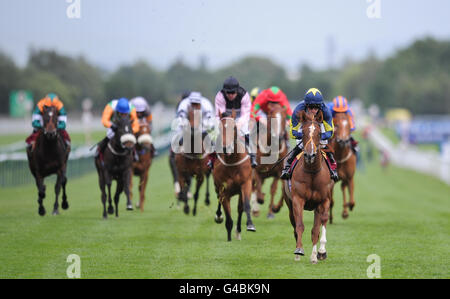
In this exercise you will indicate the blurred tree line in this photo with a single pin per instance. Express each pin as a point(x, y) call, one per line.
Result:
point(416, 78)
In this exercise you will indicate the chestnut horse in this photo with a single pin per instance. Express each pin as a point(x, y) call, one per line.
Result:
point(310, 188)
point(141, 167)
point(190, 164)
point(49, 156)
point(116, 165)
point(346, 160)
point(276, 114)
point(232, 175)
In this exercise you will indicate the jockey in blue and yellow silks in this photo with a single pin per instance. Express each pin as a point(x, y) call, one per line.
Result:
point(313, 102)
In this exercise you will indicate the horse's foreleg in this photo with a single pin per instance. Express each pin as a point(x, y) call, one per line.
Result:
point(246, 191)
point(315, 236)
point(126, 187)
point(199, 182)
point(324, 210)
point(273, 190)
point(101, 182)
point(228, 220)
point(41, 194)
point(119, 189)
point(218, 218)
point(142, 186)
point(344, 184)
point(131, 190)
point(298, 205)
point(58, 184)
point(108, 182)
point(351, 187)
point(207, 202)
point(65, 203)
point(240, 210)
point(331, 204)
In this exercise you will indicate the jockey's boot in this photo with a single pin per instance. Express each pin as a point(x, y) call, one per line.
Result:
point(252, 155)
point(153, 151)
point(285, 173)
point(354, 144)
point(333, 166)
point(101, 146)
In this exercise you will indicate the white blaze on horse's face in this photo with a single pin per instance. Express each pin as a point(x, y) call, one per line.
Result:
point(278, 118)
point(50, 114)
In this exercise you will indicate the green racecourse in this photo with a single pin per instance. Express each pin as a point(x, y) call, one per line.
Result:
point(402, 216)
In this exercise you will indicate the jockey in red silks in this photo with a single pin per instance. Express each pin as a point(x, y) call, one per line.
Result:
point(271, 95)
point(340, 104)
point(37, 122)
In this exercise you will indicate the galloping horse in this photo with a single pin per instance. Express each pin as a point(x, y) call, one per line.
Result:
point(116, 165)
point(346, 160)
point(310, 188)
point(190, 164)
point(49, 156)
point(232, 175)
point(263, 170)
point(142, 166)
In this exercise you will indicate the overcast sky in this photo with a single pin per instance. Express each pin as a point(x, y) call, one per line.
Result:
point(291, 32)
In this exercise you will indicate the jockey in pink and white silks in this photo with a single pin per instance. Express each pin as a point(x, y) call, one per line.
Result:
point(234, 97)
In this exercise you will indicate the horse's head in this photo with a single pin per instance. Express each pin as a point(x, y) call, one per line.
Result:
point(276, 115)
point(124, 134)
point(311, 134)
point(228, 132)
point(194, 116)
point(144, 139)
point(342, 129)
point(50, 118)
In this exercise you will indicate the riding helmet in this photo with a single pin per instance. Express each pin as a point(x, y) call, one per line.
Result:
point(123, 106)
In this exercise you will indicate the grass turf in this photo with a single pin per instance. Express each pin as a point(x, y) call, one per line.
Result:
point(400, 215)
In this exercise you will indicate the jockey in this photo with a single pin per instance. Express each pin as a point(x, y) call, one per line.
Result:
point(271, 95)
point(196, 101)
point(234, 97)
point(112, 111)
point(144, 113)
point(49, 100)
point(340, 104)
point(313, 102)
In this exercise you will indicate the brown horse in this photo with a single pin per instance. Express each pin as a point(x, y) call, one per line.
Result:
point(274, 131)
point(116, 165)
point(190, 164)
point(49, 156)
point(310, 188)
point(346, 160)
point(141, 167)
point(232, 175)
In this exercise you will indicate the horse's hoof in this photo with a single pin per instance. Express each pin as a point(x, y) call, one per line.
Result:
point(105, 216)
point(55, 212)
point(130, 207)
point(270, 216)
point(351, 206)
point(297, 258)
point(65, 205)
point(218, 219)
point(207, 202)
point(251, 228)
point(260, 201)
point(345, 214)
point(194, 212)
point(322, 256)
point(299, 251)
point(41, 211)
point(186, 210)
point(255, 213)
point(238, 236)
point(110, 210)
point(313, 260)
point(275, 210)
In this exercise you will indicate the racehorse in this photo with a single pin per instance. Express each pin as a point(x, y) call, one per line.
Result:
point(310, 188)
point(48, 156)
point(346, 161)
point(263, 171)
point(232, 175)
point(190, 164)
point(115, 164)
point(141, 167)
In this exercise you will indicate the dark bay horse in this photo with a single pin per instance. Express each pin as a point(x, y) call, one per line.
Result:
point(232, 175)
point(191, 163)
point(116, 165)
point(49, 156)
point(275, 130)
point(141, 167)
point(310, 188)
point(346, 160)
